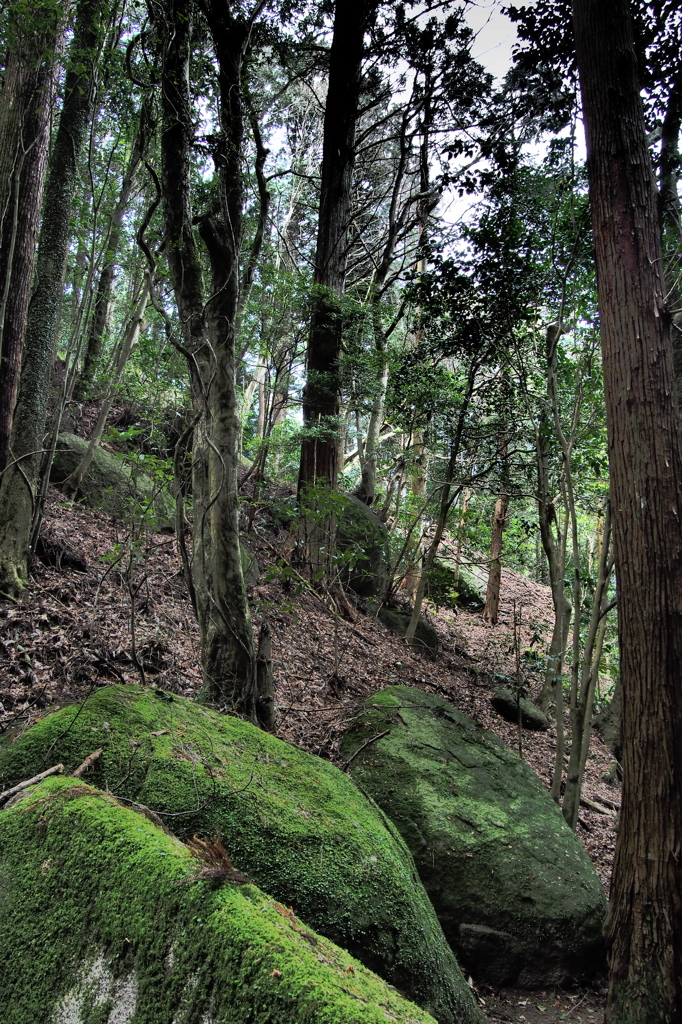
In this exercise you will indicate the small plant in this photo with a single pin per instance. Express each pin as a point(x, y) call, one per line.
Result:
point(216, 865)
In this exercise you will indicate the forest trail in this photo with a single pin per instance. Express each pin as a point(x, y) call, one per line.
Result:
point(73, 633)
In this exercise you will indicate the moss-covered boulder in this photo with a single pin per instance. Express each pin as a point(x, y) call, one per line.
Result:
point(104, 920)
point(109, 485)
point(517, 896)
point(363, 538)
point(294, 823)
point(425, 636)
point(510, 704)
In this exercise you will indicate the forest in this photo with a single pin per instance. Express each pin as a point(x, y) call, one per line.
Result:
point(340, 468)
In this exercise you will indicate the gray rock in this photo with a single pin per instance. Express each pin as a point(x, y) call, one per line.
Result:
point(505, 702)
point(110, 486)
point(517, 897)
point(361, 533)
point(426, 637)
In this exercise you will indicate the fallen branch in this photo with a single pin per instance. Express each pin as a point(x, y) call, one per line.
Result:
point(372, 739)
point(9, 793)
point(90, 759)
point(599, 808)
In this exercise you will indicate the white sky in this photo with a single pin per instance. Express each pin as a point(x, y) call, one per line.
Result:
point(495, 36)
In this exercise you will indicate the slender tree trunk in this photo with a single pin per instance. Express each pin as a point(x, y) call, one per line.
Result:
point(102, 312)
point(25, 106)
point(132, 334)
point(319, 450)
point(553, 541)
point(583, 690)
point(492, 596)
point(227, 650)
point(18, 489)
point(644, 931)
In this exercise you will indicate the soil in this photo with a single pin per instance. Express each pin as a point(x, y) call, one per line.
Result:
point(127, 618)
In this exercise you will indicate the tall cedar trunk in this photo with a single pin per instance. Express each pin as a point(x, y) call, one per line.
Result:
point(19, 483)
point(228, 659)
point(492, 596)
point(319, 452)
point(644, 931)
point(554, 547)
point(25, 105)
point(105, 286)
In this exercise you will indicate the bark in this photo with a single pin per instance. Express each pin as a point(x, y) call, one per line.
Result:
point(18, 489)
point(228, 659)
point(644, 930)
point(319, 450)
point(25, 105)
point(265, 681)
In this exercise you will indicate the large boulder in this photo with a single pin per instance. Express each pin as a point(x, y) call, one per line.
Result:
point(363, 538)
point(510, 704)
point(425, 636)
point(106, 919)
point(295, 824)
point(516, 894)
point(110, 486)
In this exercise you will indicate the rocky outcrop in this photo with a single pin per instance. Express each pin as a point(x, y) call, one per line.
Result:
point(295, 824)
point(511, 704)
point(518, 898)
point(110, 486)
point(425, 636)
point(106, 918)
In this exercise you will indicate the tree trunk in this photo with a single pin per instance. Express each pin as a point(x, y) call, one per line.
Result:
point(228, 659)
point(644, 931)
point(492, 596)
point(18, 490)
point(553, 541)
point(73, 482)
point(583, 690)
point(25, 105)
point(319, 450)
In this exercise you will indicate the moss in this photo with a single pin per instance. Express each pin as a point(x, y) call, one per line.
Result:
point(516, 894)
point(297, 825)
point(109, 484)
point(102, 919)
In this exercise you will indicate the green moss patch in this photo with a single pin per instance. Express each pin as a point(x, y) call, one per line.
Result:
point(102, 919)
point(515, 892)
point(295, 824)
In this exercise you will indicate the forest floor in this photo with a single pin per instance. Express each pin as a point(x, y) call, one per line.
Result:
point(73, 631)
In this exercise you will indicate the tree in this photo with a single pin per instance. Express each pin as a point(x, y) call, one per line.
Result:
point(18, 490)
point(27, 95)
point(319, 450)
point(644, 931)
point(208, 320)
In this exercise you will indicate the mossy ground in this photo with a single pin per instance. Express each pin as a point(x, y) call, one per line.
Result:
point(515, 892)
point(296, 824)
point(102, 919)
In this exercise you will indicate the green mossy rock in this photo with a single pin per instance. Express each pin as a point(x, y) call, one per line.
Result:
point(425, 636)
point(296, 824)
point(516, 894)
point(361, 531)
point(504, 700)
point(108, 485)
point(103, 921)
